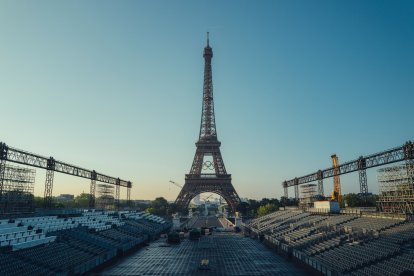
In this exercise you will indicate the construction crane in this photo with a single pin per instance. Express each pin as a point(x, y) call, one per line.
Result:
point(336, 194)
point(176, 184)
point(205, 199)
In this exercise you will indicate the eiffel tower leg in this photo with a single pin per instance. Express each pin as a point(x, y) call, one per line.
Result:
point(197, 163)
point(218, 163)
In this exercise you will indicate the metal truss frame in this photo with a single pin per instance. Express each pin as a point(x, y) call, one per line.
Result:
point(398, 154)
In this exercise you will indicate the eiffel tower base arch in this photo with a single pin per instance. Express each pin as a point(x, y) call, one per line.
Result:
point(195, 185)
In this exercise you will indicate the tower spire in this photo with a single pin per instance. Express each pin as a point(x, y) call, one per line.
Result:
point(208, 122)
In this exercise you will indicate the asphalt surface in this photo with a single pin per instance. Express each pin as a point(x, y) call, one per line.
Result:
point(209, 221)
point(227, 254)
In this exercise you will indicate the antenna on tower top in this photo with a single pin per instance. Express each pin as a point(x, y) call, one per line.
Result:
point(208, 39)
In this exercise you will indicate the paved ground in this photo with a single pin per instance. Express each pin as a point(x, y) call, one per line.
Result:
point(228, 254)
point(210, 221)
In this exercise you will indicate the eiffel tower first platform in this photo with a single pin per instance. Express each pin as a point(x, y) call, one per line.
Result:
point(208, 147)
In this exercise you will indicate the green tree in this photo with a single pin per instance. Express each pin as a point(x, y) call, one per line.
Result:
point(357, 200)
point(267, 209)
point(243, 208)
point(38, 202)
point(82, 200)
point(158, 207)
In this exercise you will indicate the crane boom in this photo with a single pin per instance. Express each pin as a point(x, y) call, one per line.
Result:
point(176, 184)
point(205, 199)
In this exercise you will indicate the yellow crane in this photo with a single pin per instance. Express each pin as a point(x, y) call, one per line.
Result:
point(336, 194)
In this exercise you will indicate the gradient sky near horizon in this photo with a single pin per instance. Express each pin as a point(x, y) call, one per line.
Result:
point(116, 86)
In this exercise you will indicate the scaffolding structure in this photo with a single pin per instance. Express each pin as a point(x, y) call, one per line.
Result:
point(396, 190)
point(308, 194)
point(16, 191)
point(105, 198)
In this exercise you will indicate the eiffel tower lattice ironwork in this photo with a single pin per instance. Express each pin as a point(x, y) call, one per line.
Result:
point(208, 146)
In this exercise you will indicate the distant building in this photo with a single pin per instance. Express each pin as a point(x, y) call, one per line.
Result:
point(141, 202)
point(326, 206)
point(65, 197)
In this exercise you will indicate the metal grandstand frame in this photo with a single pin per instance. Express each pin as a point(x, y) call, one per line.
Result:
point(10, 154)
point(16, 190)
point(397, 154)
point(396, 188)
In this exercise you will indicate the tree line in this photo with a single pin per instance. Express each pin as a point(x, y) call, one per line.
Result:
point(251, 209)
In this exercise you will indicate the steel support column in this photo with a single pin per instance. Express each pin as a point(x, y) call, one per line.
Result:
point(2, 171)
point(92, 190)
point(3, 158)
point(117, 192)
point(363, 183)
point(129, 194)
point(320, 183)
point(47, 199)
point(285, 187)
point(92, 194)
point(296, 189)
point(409, 161)
point(297, 192)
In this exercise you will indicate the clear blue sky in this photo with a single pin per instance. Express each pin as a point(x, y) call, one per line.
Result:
point(116, 86)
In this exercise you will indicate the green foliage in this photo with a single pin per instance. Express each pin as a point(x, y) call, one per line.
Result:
point(356, 200)
point(158, 207)
point(252, 207)
point(267, 209)
point(243, 208)
point(38, 202)
point(82, 200)
point(150, 210)
point(288, 201)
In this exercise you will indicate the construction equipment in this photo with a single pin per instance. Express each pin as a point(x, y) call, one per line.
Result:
point(336, 194)
point(176, 184)
point(206, 198)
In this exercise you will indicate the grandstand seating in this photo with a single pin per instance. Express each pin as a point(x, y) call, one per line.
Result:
point(74, 245)
point(340, 244)
point(10, 265)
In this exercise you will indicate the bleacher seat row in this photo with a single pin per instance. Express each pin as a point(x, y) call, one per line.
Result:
point(339, 244)
point(53, 245)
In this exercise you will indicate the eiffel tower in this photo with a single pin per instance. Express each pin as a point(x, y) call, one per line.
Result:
point(208, 147)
